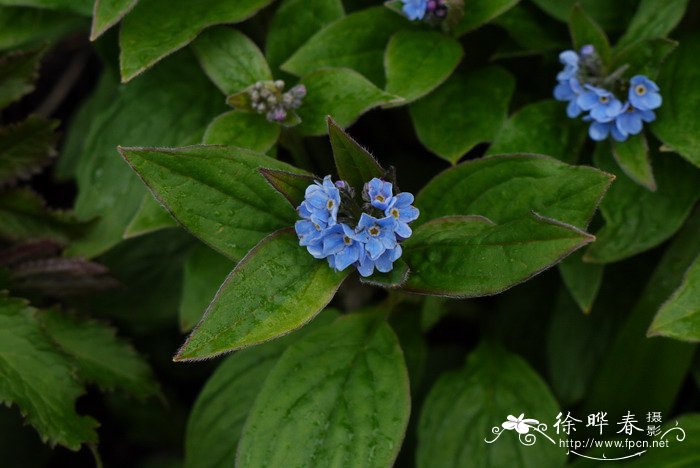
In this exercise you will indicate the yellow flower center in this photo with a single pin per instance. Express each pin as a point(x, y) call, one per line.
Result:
point(330, 204)
point(374, 230)
point(347, 240)
point(318, 228)
point(603, 99)
point(379, 198)
point(395, 213)
point(640, 90)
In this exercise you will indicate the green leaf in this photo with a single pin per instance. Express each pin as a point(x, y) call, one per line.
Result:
point(155, 110)
point(355, 41)
point(530, 31)
point(18, 71)
point(633, 158)
point(470, 256)
point(157, 28)
point(354, 164)
point(83, 7)
point(622, 381)
point(644, 57)
point(677, 124)
point(341, 93)
point(582, 279)
point(218, 415)
point(346, 400)
point(20, 27)
point(541, 128)
point(204, 272)
point(291, 186)
point(195, 184)
point(150, 217)
point(242, 129)
point(245, 313)
point(231, 60)
point(653, 20)
point(679, 453)
point(464, 405)
point(478, 12)
point(295, 21)
point(637, 219)
point(679, 317)
point(417, 62)
point(26, 147)
point(509, 187)
point(107, 13)
point(585, 31)
point(39, 379)
point(470, 109)
point(25, 217)
point(612, 16)
point(100, 356)
point(395, 279)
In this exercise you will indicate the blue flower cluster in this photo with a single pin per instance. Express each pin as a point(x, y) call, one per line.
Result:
point(585, 92)
point(374, 242)
point(419, 9)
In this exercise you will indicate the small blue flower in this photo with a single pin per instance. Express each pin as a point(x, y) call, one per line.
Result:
point(570, 60)
point(630, 121)
point(599, 131)
point(568, 91)
point(342, 247)
point(310, 236)
point(378, 235)
point(403, 212)
point(602, 104)
point(644, 93)
point(384, 264)
point(380, 193)
point(415, 9)
point(321, 203)
point(587, 50)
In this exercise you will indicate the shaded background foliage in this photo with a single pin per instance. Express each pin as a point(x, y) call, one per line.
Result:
point(150, 280)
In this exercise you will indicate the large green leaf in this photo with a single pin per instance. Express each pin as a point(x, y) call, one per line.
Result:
point(610, 15)
point(653, 19)
point(30, 26)
point(466, 110)
point(245, 313)
point(530, 31)
point(582, 279)
point(346, 400)
point(216, 192)
point(355, 41)
point(478, 12)
point(464, 405)
point(341, 93)
point(150, 217)
point(622, 382)
point(295, 21)
point(18, 71)
point(83, 7)
point(679, 317)
point(157, 28)
point(417, 62)
point(585, 31)
point(645, 57)
point(355, 164)
point(508, 187)
point(633, 158)
point(541, 128)
point(242, 129)
point(470, 256)
point(637, 219)
point(230, 59)
point(39, 379)
point(154, 110)
point(107, 13)
point(677, 124)
point(100, 356)
point(218, 415)
point(204, 272)
point(26, 147)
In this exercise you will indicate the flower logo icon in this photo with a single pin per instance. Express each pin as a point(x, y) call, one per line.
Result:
point(520, 424)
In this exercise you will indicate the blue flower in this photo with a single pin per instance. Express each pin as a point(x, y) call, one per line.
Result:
point(415, 9)
point(310, 236)
point(403, 212)
point(644, 93)
point(568, 90)
point(599, 131)
point(321, 203)
point(630, 121)
point(570, 60)
point(342, 247)
point(378, 235)
point(385, 262)
point(380, 193)
point(602, 104)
